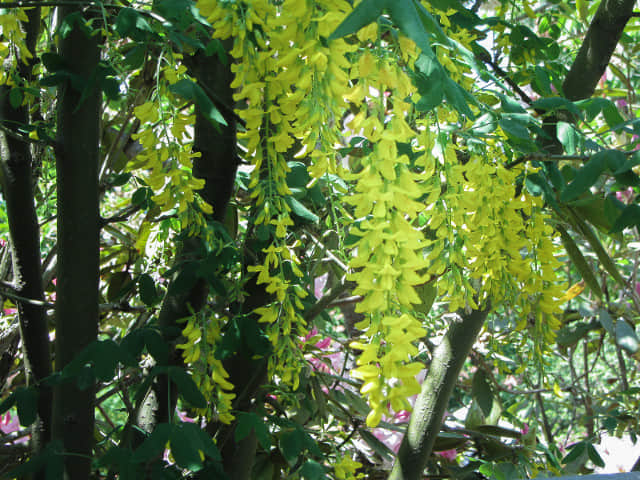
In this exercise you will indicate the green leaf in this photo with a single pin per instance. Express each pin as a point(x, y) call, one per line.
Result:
point(135, 57)
point(205, 442)
point(365, 12)
point(119, 284)
point(133, 343)
point(594, 209)
point(568, 137)
point(189, 90)
point(594, 456)
point(301, 211)
point(412, 24)
point(612, 115)
point(147, 287)
point(26, 400)
point(459, 98)
point(585, 177)
point(630, 217)
point(514, 127)
point(605, 260)
point(626, 336)
point(430, 24)
point(153, 445)
point(312, 470)
point(130, 23)
point(578, 260)
point(376, 445)
point(105, 355)
point(185, 446)
point(606, 321)
point(556, 103)
point(292, 444)
point(485, 124)
point(298, 176)
point(482, 392)
point(448, 440)
point(15, 97)
point(187, 387)
point(510, 105)
point(8, 402)
point(497, 431)
point(576, 452)
point(429, 78)
point(570, 334)
point(54, 62)
point(248, 422)
point(156, 345)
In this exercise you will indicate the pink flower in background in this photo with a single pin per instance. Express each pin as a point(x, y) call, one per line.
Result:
point(319, 285)
point(52, 295)
point(625, 196)
point(525, 429)
point(9, 424)
point(9, 311)
point(402, 416)
point(448, 454)
point(638, 288)
point(183, 417)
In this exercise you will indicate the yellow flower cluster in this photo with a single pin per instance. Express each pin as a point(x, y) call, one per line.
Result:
point(291, 83)
point(165, 163)
point(208, 372)
point(13, 38)
point(422, 213)
point(346, 468)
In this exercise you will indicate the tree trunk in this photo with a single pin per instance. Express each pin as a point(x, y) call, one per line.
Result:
point(595, 52)
point(78, 242)
point(431, 404)
point(17, 188)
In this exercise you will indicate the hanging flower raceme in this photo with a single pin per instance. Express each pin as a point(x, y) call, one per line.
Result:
point(424, 208)
point(202, 334)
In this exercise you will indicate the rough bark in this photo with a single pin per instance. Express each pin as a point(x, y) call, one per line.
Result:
point(77, 158)
point(17, 189)
point(431, 404)
point(599, 43)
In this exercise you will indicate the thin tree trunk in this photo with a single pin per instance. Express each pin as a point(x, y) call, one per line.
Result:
point(17, 189)
point(78, 244)
point(431, 404)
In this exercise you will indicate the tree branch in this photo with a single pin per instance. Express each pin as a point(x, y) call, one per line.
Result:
point(426, 419)
point(595, 52)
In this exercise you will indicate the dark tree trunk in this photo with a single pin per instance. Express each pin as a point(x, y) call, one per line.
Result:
point(78, 243)
point(17, 189)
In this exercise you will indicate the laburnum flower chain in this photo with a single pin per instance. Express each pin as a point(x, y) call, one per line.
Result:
point(421, 215)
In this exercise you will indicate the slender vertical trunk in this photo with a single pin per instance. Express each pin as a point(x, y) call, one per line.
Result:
point(78, 243)
point(17, 190)
point(432, 401)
